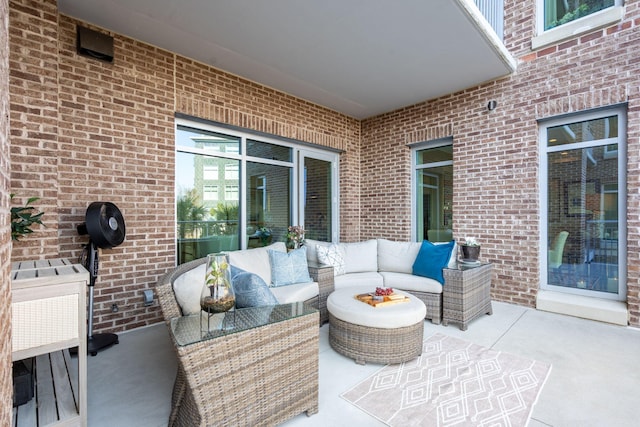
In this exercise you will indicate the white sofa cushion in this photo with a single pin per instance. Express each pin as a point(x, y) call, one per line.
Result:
point(371, 279)
point(361, 256)
point(397, 256)
point(409, 282)
point(311, 245)
point(256, 260)
point(295, 293)
point(187, 288)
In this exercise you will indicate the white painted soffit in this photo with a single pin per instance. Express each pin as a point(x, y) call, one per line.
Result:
point(358, 57)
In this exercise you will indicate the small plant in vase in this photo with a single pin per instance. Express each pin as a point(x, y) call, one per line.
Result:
point(217, 293)
point(470, 250)
point(295, 236)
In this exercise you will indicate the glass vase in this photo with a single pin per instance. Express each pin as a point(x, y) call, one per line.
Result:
point(217, 294)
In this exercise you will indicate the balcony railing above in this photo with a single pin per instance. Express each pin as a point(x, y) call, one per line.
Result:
point(493, 11)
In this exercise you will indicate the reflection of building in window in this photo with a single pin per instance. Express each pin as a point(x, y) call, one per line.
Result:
point(210, 192)
point(210, 172)
point(231, 171)
point(231, 193)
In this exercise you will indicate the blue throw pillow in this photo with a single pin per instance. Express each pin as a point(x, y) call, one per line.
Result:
point(432, 259)
point(251, 291)
point(289, 268)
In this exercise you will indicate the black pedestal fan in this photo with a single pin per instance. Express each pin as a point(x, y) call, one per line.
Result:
point(106, 229)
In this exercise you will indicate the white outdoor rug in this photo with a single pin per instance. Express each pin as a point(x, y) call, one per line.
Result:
point(453, 383)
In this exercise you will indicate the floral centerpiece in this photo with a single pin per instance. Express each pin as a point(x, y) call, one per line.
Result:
point(217, 293)
point(295, 236)
point(470, 249)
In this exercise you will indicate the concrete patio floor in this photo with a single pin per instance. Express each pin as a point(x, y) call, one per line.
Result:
point(594, 381)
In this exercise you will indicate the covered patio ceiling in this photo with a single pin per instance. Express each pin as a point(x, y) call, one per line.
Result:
point(358, 57)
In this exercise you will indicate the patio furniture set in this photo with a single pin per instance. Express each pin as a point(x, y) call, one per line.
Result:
point(259, 365)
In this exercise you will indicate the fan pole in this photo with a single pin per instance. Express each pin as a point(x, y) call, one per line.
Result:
point(97, 342)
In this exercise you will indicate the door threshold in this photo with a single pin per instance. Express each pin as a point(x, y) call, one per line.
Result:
point(602, 310)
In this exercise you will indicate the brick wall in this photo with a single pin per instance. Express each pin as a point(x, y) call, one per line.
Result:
point(496, 153)
point(85, 130)
point(6, 387)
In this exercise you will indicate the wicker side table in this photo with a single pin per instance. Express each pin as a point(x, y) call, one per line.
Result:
point(323, 274)
point(466, 294)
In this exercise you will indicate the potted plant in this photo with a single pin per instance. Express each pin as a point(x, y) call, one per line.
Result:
point(217, 294)
point(470, 249)
point(295, 236)
point(23, 218)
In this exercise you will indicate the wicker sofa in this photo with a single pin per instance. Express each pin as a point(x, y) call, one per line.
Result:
point(187, 280)
point(382, 262)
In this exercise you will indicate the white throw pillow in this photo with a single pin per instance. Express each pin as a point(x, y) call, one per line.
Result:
point(187, 288)
point(332, 255)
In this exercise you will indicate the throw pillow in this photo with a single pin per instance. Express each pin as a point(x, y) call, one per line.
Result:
point(332, 255)
point(432, 259)
point(251, 291)
point(187, 288)
point(289, 268)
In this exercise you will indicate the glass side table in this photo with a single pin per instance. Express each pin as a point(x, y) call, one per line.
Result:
point(188, 330)
point(466, 294)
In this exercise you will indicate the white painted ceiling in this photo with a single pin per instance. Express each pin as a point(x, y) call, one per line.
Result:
point(358, 57)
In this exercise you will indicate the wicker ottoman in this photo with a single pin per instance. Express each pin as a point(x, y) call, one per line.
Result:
point(388, 334)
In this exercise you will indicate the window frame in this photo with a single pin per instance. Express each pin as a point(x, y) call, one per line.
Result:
point(544, 151)
point(415, 148)
point(572, 29)
point(196, 124)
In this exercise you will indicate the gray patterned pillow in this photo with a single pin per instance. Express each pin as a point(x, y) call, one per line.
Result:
point(251, 291)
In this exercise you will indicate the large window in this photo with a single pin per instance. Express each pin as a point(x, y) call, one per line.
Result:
point(559, 12)
point(433, 191)
point(559, 20)
point(584, 224)
point(235, 190)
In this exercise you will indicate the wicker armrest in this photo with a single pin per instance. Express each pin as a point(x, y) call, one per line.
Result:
point(323, 274)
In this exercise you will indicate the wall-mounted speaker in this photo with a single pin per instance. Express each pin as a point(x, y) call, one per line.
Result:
point(95, 44)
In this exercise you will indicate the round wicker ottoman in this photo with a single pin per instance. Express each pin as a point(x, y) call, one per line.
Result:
point(389, 334)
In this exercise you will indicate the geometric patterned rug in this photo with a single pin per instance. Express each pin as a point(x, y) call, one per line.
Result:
point(453, 383)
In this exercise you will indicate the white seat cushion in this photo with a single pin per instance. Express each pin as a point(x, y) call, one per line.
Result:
point(296, 292)
point(358, 279)
point(409, 282)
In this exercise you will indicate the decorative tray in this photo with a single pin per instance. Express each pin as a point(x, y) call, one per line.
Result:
point(384, 301)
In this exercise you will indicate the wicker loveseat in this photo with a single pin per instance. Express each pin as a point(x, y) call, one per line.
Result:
point(262, 374)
